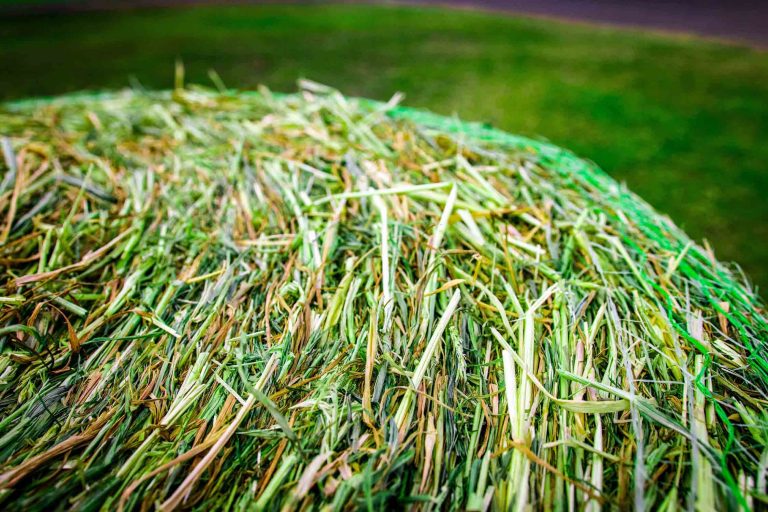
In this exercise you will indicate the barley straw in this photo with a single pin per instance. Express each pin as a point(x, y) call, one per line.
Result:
point(250, 301)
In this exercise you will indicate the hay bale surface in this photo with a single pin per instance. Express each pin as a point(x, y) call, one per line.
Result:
point(250, 301)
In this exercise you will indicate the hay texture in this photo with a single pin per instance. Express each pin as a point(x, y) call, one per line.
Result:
point(223, 301)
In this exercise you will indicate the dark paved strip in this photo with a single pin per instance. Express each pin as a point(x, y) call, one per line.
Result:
point(739, 20)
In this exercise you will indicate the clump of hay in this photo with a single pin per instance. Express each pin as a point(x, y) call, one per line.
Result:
point(250, 301)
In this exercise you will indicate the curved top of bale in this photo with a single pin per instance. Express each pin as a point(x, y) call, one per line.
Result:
point(218, 300)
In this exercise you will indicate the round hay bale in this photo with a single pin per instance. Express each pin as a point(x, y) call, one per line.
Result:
point(249, 301)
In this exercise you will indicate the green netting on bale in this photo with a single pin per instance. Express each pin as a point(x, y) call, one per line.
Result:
point(221, 300)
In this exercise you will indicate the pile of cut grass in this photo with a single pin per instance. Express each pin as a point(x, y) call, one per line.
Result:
point(214, 300)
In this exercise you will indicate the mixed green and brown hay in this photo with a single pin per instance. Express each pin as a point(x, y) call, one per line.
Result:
point(246, 301)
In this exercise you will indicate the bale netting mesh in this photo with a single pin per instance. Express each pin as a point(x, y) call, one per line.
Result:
point(248, 301)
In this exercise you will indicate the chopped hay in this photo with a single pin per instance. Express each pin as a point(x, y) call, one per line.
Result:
point(215, 300)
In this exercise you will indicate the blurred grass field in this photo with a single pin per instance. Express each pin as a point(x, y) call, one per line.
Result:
point(682, 121)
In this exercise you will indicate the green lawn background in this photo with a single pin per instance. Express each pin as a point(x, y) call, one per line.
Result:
point(683, 122)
